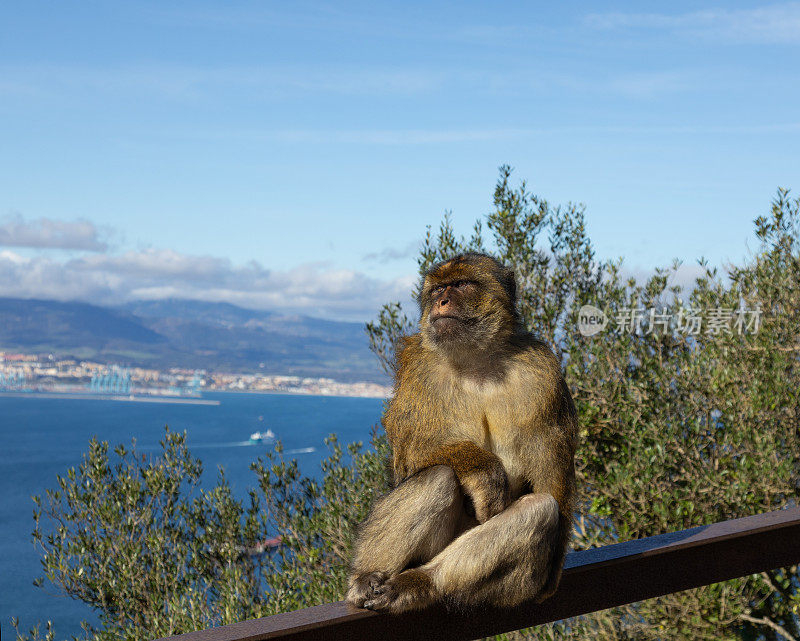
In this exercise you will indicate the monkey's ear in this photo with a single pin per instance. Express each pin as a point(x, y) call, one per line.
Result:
point(421, 294)
point(509, 282)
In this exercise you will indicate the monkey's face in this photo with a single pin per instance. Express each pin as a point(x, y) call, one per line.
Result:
point(466, 304)
point(452, 307)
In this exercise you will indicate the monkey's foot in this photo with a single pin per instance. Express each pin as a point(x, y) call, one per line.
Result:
point(409, 590)
point(363, 587)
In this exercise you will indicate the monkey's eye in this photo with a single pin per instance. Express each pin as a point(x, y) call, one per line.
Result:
point(458, 284)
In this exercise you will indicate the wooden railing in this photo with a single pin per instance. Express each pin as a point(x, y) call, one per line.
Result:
point(593, 580)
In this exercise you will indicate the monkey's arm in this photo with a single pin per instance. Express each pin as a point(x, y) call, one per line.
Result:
point(555, 475)
point(480, 473)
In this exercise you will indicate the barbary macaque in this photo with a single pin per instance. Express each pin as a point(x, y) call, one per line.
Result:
point(483, 433)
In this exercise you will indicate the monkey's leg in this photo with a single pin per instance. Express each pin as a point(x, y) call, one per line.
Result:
point(501, 562)
point(411, 524)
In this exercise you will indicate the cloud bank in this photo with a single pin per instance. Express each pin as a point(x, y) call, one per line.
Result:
point(314, 289)
point(769, 24)
point(105, 277)
point(46, 233)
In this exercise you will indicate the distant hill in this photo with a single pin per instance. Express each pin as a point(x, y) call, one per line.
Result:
point(193, 334)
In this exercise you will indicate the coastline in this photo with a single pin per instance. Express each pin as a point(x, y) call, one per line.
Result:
point(176, 399)
point(111, 397)
point(291, 393)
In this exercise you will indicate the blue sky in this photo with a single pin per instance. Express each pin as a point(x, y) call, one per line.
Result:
point(291, 155)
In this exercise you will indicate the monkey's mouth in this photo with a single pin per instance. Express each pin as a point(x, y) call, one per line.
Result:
point(447, 327)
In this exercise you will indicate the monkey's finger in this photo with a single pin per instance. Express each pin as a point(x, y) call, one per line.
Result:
point(380, 603)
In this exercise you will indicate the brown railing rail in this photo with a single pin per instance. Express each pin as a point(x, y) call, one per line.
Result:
point(592, 580)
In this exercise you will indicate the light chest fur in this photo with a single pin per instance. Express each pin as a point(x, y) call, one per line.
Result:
point(501, 417)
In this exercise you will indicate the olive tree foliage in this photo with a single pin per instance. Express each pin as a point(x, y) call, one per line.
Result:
point(138, 538)
point(681, 425)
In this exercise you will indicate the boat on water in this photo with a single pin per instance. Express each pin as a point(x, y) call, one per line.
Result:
point(262, 437)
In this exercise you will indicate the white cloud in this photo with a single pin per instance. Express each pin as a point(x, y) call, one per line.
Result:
point(181, 83)
point(396, 136)
point(315, 289)
point(685, 276)
point(11, 257)
point(189, 82)
point(778, 23)
point(653, 83)
point(632, 85)
point(389, 254)
point(46, 233)
point(157, 263)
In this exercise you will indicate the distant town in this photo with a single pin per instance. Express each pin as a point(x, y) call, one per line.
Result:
point(46, 374)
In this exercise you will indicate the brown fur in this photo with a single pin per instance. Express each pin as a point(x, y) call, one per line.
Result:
point(483, 432)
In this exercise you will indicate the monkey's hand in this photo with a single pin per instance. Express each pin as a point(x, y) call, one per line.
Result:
point(480, 473)
point(364, 587)
point(410, 590)
point(487, 490)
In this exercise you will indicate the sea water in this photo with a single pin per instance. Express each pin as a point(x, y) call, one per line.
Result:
point(43, 437)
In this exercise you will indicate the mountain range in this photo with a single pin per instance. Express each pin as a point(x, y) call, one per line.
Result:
point(190, 334)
